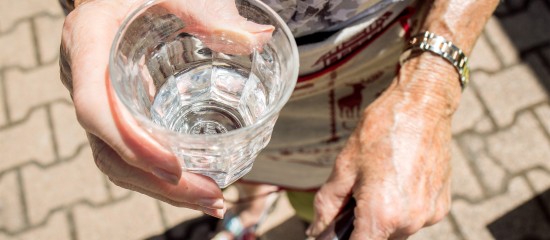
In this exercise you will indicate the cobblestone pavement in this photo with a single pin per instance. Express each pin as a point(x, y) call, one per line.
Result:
point(51, 189)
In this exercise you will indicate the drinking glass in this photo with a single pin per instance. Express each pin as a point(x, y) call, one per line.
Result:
point(215, 111)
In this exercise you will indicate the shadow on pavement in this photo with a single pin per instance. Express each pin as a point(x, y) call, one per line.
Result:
point(194, 229)
point(526, 24)
point(530, 221)
point(201, 229)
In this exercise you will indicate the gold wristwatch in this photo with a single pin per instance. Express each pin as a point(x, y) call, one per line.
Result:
point(430, 42)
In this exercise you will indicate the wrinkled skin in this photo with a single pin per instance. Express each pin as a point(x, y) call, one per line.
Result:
point(124, 152)
point(396, 163)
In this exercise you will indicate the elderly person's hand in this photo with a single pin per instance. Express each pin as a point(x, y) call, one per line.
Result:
point(126, 154)
point(396, 163)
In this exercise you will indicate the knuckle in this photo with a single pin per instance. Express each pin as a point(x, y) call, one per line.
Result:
point(439, 215)
point(101, 156)
point(120, 183)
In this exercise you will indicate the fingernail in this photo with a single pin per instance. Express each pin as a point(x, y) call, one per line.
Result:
point(212, 203)
point(166, 176)
point(217, 213)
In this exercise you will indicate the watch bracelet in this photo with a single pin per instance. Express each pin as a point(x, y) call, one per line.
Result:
point(430, 42)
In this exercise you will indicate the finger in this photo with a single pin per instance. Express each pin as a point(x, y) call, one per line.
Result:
point(442, 206)
point(88, 46)
point(214, 212)
point(373, 217)
point(218, 24)
point(192, 189)
point(330, 199)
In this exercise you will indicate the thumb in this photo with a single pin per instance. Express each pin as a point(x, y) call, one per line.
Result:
point(329, 201)
point(220, 26)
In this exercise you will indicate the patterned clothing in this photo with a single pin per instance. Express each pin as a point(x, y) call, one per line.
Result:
point(339, 76)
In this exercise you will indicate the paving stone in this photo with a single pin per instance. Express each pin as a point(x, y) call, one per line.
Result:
point(540, 67)
point(483, 57)
point(543, 114)
point(116, 191)
point(503, 47)
point(509, 91)
point(53, 187)
point(176, 215)
point(22, 9)
point(28, 141)
point(492, 175)
point(11, 205)
point(464, 182)
point(540, 180)
point(56, 228)
point(469, 112)
point(49, 30)
point(68, 132)
point(17, 46)
point(440, 231)
point(522, 146)
point(486, 167)
point(134, 218)
point(485, 125)
point(33, 88)
point(474, 145)
point(472, 218)
point(529, 28)
point(3, 115)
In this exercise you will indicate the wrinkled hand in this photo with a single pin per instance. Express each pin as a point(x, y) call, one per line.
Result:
point(126, 154)
point(396, 163)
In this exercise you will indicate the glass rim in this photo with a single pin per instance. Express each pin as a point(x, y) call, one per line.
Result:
point(272, 111)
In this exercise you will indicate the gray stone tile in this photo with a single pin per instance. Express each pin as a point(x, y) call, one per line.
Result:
point(12, 214)
point(14, 11)
point(483, 57)
point(485, 125)
point(57, 227)
point(540, 180)
point(440, 231)
point(49, 30)
point(503, 47)
point(522, 146)
point(68, 133)
point(26, 142)
point(469, 112)
point(17, 46)
point(492, 175)
point(28, 89)
point(543, 114)
point(134, 218)
point(50, 188)
point(509, 91)
point(176, 215)
point(3, 110)
point(464, 182)
point(473, 218)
